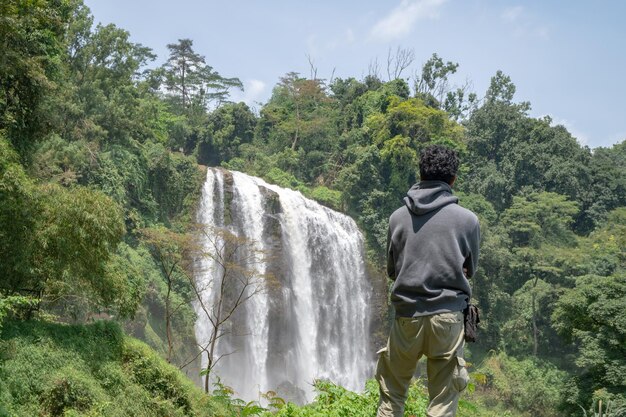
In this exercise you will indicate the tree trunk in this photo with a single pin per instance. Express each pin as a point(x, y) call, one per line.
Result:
point(211, 352)
point(168, 324)
point(535, 337)
point(208, 373)
point(295, 139)
point(534, 312)
point(183, 84)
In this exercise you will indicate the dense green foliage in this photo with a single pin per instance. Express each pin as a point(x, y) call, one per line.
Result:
point(335, 401)
point(98, 155)
point(95, 370)
point(85, 164)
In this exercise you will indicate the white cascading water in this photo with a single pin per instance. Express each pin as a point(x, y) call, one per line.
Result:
point(312, 321)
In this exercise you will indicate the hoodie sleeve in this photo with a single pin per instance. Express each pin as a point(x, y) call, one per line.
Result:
point(391, 263)
point(471, 262)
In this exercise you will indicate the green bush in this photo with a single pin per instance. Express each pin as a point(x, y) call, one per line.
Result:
point(149, 371)
point(528, 385)
point(91, 370)
point(335, 401)
point(283, 179)
point(70, 389)
point(326, 196)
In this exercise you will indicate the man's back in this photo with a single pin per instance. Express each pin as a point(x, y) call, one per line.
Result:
point(431, 240)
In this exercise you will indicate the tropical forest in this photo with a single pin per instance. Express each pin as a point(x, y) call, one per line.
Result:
point(168, 251)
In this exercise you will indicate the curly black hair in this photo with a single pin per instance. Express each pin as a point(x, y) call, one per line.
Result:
point(438, 163)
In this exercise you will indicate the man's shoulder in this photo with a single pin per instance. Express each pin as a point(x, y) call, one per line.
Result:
point(462, 214)
point(462, 211)
point(400, 212)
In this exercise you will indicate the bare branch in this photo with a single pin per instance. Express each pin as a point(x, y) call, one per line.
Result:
point(389, 64)
point(223, 356)
point(190, 361)
point(332, 76)
point(312, 67)
point(373, 69)
point(398, 62)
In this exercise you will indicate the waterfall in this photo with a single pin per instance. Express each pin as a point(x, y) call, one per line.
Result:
point(311, 318)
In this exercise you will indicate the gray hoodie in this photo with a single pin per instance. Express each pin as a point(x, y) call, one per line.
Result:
point(431, 239)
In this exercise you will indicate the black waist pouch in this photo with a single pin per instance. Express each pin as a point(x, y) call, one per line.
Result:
point(472, 319)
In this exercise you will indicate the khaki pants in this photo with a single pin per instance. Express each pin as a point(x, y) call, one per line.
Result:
point(440, 338)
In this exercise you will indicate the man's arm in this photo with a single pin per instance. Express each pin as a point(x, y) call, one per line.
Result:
point(471, 262)
point(391, 263)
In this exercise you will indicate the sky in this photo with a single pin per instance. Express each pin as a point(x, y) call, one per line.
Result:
point(567, 58)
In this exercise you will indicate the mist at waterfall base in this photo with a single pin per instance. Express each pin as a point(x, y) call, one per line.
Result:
point(313, 321)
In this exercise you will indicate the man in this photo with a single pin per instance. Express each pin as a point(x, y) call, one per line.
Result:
point(432, 248)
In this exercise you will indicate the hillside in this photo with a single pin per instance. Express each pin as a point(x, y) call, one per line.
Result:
point(89, 370)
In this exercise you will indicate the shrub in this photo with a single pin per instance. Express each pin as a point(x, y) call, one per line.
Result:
point(528, 385)
point(160, 379)
point(90, 370)
point(326, 196)
point(284, 179)
point(70, 389)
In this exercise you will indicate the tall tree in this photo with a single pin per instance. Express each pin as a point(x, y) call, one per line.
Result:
point(227, 128)
point(173, 253)
point(537, 224)
point(191, 81)
point(510, 150)
point(31, 35)
point(432, 82)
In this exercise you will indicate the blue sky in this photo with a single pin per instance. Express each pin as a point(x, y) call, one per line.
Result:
point(567, 58)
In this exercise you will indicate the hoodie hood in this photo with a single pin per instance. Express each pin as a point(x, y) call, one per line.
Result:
point(427, 196)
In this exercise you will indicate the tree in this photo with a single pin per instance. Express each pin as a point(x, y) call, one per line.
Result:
point(173, 253)
point(432, 84)
point(31, 42)
point(536, 222)
point(592, 315)
point(300, 122)
point(231, 279)
point(540, 217)
point(19, 213)
point(227, 128)
point(399, 61)
point(191, 82)
point(608, 184)
point(511, 152)
point(211, 268)
point(57, 243)
point(79, 230)
point(102, 70)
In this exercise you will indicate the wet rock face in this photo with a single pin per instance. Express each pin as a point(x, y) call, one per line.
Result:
point(228, 196)
point(312, 319)
point(272, 231)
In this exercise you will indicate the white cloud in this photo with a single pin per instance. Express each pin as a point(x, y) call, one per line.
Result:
point(399, 22)
point(512, 13)
point(255, 88)
point(253, 92)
